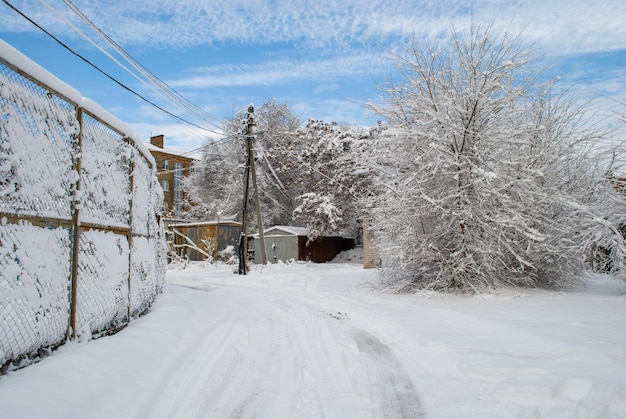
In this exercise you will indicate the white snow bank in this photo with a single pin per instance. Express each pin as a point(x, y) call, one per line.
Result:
point(350, 256)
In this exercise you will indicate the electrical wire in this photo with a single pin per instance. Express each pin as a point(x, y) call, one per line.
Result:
point(188, 153)
point(151, 85)
point(331, 179)
point(104, 73)
point(162, 86)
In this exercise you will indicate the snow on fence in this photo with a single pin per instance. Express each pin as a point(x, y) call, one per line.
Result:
point(80, 237)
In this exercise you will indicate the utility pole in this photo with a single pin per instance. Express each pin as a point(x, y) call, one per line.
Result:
point(250, 168)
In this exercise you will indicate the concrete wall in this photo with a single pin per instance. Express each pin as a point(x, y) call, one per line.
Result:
point(371, 256)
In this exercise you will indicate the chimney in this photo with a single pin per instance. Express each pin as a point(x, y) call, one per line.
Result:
point(157, 140)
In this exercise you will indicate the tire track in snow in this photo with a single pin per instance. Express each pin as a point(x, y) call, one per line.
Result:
point(207, 356)
point(320, 330)
point(223, 370)
point(246, 366)
point(296, 390)
point(314, 330)
point(272, 356)
point(399, 398)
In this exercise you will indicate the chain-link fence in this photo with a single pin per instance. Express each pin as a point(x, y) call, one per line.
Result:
point(81, 245)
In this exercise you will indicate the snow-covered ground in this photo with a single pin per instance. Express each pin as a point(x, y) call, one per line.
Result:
point(314, 341)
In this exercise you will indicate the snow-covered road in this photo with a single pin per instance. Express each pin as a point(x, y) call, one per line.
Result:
point(283, 349)
point(311, 341)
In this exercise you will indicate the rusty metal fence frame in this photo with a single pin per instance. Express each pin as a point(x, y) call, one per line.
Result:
point(81, 242)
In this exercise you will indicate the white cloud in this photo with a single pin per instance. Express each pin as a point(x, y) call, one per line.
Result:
point(327, 88)
point(560, 25)
point(283, 71)
point(564, 27)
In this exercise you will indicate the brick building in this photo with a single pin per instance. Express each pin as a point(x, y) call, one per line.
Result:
point(172, 166)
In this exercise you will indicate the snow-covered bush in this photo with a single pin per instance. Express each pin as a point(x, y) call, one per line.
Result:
point(228, 255)
point(489, 175)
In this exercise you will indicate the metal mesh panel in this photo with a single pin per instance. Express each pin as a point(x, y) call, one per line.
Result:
point(157, 233)
point(105, 175)
point(142, 269)
point(102, 281)
point(34, 304)
point(141, 194)
point(43, 210)
point(155, 204)
point(37, 144)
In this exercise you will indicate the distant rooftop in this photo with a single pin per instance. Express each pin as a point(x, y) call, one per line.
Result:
point(157, 143)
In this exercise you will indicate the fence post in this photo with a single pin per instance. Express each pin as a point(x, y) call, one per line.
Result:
point(130, 232)
point(75, 232)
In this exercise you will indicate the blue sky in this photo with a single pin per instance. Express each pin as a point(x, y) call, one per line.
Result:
point(323, 58)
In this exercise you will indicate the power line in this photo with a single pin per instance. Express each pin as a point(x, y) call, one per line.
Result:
point(149, 85)
point(163, 87)
point(201, 148)
point(156, 83)
point(310, 166)
point(122, 85)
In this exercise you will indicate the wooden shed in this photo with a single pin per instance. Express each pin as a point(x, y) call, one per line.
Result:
point(285, 243)
point(209, 236)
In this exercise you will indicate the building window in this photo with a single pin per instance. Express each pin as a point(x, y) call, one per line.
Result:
point(165, 184)
point(166, 165)
point(178, 187)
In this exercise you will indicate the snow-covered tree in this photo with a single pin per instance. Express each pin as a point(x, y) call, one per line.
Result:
point(275, 147)
point(488, 176)
point(216, 188)
point(335, 174)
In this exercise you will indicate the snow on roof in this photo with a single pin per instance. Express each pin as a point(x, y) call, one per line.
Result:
point(291, 230)
point(296, 231)
point(205, 223)
point(16, 59)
